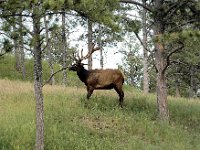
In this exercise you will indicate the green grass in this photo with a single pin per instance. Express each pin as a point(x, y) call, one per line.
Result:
point(8, 71)
point(72, 122)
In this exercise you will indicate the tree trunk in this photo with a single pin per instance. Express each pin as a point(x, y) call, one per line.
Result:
point(17, 53)
point(49, 53)
point(22, 54)
point(192, 83)
point(17, 56)
point(101, 56)
point(89, 43)
point(160, 58)
point(64, 49)
point(100, 44)
point(177, 83)
point(145, 52)
point(161, 91)
point(161, 62)
point(161, 88)
point(177, 88)
point(38, 79)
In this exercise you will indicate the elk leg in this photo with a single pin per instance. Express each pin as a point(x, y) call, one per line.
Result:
point(121, 95)
point(121, 99)
point(89, 92)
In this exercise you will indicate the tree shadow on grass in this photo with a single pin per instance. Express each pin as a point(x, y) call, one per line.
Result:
point(5, 145)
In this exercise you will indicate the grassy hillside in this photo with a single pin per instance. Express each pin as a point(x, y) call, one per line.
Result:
point(72, 122)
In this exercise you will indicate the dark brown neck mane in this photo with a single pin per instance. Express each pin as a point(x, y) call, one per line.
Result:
point(83, 74)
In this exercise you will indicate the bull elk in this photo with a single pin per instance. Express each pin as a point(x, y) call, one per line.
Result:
point(98, 78)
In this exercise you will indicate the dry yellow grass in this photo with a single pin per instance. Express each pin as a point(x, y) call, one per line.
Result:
point(18, 87)
point(14, 87)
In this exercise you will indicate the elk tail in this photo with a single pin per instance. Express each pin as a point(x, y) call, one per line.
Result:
point(123, 75)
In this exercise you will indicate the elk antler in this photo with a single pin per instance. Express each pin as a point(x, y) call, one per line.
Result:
point(91, 50)
point(79, 58)
point(74, 56)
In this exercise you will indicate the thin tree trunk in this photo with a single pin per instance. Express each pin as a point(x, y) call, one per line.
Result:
point(17, 53)
point(38, 79)
point(177, 84)
point(64, 49)
point(89, 43)
point(100, 44)
point(177, 89)
point(145, 52)
point(192, 83)
point(21, 43)
point(17, 56)
point(101, 56)
point(49, 53)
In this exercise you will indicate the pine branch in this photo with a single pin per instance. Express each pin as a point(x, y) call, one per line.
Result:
point(53, 75)
point(138, 37)
point(20, 25)
point(4, 34)
point(170, 54)
point(2, 54)
point(15, 15)
point(136, 3)
point(170, 12)
point(179, 62)
point(184, 23)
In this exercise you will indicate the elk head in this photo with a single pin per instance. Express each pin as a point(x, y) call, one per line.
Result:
point(78, 65)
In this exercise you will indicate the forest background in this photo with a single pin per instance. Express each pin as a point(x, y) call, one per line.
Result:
point(169, 63)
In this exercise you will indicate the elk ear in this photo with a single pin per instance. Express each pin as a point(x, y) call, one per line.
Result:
point(78, 62)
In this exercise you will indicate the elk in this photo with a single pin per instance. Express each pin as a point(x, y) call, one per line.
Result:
point(98, 78)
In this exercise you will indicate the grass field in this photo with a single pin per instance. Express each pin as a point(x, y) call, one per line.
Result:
point(74, 123)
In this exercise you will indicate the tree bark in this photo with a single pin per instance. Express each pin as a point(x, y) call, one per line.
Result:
point(161, 62)
point(89, 43)
point(64, 49)
point(145, 52)
point(161, 90)
point(38, 79)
